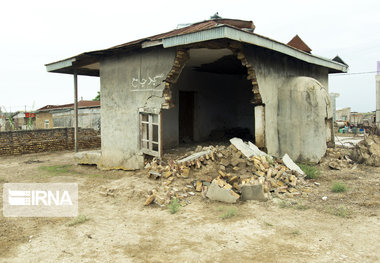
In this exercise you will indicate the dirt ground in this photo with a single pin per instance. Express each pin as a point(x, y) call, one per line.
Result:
point(343, 228)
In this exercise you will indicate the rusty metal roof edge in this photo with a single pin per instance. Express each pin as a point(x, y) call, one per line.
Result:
point(225, 31)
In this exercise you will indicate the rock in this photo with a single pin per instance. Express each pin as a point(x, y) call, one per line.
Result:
point(252, 192)
point(334, 165)
point(291, 165)
point(217, 193)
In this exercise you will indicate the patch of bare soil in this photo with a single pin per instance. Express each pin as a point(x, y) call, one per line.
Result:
point(342, 228)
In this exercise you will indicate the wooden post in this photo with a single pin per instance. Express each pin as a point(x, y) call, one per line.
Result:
point(75, 112)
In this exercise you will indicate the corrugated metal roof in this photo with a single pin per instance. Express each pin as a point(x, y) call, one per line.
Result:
point(197, 32)
point(81, 104)
point(298, 43)
point(240, 24)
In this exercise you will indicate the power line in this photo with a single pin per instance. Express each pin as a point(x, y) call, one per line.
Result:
point(355, 73)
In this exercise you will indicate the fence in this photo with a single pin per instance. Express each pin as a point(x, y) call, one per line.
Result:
point(46, 140)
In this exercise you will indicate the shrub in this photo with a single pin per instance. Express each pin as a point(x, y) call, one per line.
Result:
point(310, 171)
point(174, 206)
point(231, 212)
point(78, 220)
point(338, 187)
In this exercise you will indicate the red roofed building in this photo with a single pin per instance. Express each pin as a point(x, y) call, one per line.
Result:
point(62, 116)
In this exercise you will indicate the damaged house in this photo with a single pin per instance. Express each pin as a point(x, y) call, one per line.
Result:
point(204, 81)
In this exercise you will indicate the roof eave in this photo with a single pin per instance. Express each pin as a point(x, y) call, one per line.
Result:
point(253, 39)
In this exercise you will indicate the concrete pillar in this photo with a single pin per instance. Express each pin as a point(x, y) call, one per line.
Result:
point(333, 97)
point(260, 126)
point(378, 101)
point(75, 112)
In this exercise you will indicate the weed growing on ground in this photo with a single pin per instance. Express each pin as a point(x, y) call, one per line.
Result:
point(340, 211)
point(310, 171)
point(284, 204)
point(268, 224)
point(295, 232)
point(301, 206)
point(78, 220)
point(295, 205)
point(338, 187)
point(231, 212)
point(174, 206)
point(55, 169)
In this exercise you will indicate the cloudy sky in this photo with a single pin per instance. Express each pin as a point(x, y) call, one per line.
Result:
point(34, 33)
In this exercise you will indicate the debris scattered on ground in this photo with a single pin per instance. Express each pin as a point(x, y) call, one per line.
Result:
point(107, 191)
point(367, 151)
point(225, 173)
point(338, 158)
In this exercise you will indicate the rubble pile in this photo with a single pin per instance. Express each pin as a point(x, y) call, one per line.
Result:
point(367, 151)
point(226, 174)
point(337, 159)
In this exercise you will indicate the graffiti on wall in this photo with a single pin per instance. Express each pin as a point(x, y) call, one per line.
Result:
point(145, 84)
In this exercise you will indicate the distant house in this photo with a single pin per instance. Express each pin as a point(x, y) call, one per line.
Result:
point(18, 120)
point(343, 114)
point(62, 116)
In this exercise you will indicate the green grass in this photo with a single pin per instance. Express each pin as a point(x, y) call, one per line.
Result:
point(174, 206)
point(284, 204)
point(340, 211)
point(295, 232)
point(231, 212)
point(338, 187)
point(55, 169)
point(78, 220)
point(267, 223)
point(310, 171)
point(301, 207)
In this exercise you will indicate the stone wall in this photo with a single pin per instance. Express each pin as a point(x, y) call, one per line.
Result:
point(46, 140)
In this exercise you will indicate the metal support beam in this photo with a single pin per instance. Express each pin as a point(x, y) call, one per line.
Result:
point(76, 112)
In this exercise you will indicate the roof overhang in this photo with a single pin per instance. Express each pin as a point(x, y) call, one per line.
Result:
point(253, 39)
point(88, 63)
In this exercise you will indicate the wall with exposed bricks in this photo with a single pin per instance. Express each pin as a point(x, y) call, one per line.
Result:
point(46, 140)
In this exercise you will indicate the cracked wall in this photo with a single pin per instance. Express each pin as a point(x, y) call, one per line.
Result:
point(129, 83)
point(277, 76)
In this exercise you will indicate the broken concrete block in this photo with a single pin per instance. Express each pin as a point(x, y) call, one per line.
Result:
point(193, 157)
point(252, 192)
point(291, 165)
point(154, 175)
point(217, 193)
point(88, 157)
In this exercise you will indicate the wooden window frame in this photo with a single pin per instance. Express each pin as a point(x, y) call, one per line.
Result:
point(147, 142)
